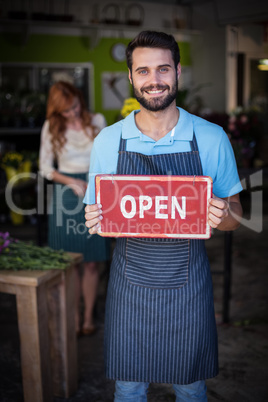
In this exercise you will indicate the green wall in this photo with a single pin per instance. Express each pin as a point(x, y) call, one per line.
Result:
point(39, 48)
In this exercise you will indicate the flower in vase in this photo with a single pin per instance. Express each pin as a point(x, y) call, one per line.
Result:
point(12, 159)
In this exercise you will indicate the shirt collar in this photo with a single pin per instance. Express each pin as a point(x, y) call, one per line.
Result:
point(129, 129)
point(183, 130)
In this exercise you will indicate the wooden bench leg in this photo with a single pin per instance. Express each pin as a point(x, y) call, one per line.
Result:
point(34, 340)
point(61, 302)
point(71, 340)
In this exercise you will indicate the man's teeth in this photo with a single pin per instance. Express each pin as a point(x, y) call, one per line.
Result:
point(156, 91)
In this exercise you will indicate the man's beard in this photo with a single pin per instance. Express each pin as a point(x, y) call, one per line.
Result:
point(156, 104)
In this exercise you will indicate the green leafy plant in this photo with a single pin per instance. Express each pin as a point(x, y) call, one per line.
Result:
point(190, 100)
point(18, 255)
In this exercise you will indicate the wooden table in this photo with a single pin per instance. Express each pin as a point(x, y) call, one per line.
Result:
point(46, 310)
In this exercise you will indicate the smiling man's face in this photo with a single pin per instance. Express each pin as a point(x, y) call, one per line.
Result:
point(154, 78)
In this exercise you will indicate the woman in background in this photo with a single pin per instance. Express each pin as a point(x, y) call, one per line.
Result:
point(66, 141)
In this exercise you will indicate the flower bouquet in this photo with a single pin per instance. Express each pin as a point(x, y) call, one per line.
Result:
point(244, 130)
point(11, 163)
point(129, 105)
point(18, 168)
point(15, 163)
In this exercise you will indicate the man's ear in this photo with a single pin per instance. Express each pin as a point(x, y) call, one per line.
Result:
point(129, 76)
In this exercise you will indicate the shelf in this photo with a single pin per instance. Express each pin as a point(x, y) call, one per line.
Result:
point(68, 24)
point(19, 131)
point(93, 30)
point(91, 27)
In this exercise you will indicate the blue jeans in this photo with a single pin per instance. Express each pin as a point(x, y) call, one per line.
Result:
point(127, 391)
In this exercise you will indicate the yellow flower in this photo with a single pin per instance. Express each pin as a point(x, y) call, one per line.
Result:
point(129, 105)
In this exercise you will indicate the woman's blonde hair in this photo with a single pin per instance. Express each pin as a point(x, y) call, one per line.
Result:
point(60, 98)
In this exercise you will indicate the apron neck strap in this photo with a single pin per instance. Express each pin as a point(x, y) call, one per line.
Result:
point(193, 143)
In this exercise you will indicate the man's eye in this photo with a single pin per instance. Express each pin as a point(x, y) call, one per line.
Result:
point(163, 69)
point(143, 72)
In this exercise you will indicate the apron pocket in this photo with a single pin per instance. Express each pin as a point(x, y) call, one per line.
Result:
point(161, 264)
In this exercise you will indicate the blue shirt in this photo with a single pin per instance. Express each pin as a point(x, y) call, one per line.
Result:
point(215, 150)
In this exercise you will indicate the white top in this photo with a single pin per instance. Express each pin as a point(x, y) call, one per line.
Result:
point(75, 154)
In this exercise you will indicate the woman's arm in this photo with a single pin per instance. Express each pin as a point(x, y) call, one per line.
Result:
point(78, 186)
point(46, 155)
point(47, 169)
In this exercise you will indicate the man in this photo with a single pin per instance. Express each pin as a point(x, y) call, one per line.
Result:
point(162, 333)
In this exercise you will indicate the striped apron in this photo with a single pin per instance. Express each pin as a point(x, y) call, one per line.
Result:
point(160, 322)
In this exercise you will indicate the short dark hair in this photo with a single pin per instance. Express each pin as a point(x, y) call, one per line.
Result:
point(153, 39)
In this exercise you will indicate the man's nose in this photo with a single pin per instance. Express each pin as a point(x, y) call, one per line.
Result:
point(155, 77)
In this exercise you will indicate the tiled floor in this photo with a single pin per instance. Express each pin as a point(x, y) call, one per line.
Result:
point(243, 343)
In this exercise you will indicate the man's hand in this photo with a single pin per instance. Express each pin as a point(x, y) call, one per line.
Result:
point(93, 217)
point(224, 213)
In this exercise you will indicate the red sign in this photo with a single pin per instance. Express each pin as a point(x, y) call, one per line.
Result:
point(154, 206)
